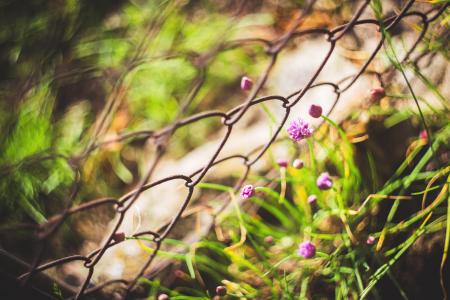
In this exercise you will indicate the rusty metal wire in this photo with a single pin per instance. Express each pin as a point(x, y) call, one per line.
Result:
point(161, 137)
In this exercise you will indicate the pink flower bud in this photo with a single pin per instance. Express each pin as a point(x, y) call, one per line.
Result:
point(179, 274)
point(268, 239)
point(221, 290)
point(163, 297)
point(282, 163)
point(324, 181)
point(298, 163)
point(118, 237)
point(423, 135)
point(315, 111)
point(312, 199)
point(306, 249)
point(246, 83)
point(370, 240)
point(247, 191)
point(377, 93)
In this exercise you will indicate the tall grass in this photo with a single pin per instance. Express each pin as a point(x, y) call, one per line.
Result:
point(253, 252)
point(255, 256)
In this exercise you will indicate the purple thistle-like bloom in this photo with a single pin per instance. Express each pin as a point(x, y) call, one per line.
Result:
point(282, 163)
point(324, 181)
point(247, 191)
point(312, 199)
point(315, 111)
point(299, 129)
point(246, 83)
point(298, 163)
point(377, 93)
point(306, 249)
point(370, 240)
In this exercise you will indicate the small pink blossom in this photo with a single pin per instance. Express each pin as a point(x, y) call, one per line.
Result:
point(306, 249)
point(246, 83)
point(423, 135)
point(298, 163)
point(268, 239)
point(221, 290)
point(370, 240)
point(163, 297)
point(247, 191)
point(179, 274)
point(312, 199)
point(324, 181)
point(282, 163)
point(377, 93)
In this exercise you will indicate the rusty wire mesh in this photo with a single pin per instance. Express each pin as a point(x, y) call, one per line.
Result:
point(161, 137)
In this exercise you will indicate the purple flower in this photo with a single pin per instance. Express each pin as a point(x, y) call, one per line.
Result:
point(370, 240)
point(315, 111)
point(246, 83)
point(377, 93)
point(298, 163)
point(312, 199)
point(282, 163)
point(306, 249)
point(247, 191)
point(324, 181)
point(299, 129)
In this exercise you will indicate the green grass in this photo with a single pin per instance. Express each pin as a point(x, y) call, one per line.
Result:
point(252, 268)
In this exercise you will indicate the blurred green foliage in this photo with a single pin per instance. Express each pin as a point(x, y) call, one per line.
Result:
point(61, 64)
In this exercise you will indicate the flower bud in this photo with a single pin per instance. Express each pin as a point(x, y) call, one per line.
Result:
point(324, 181)
point(247, 191)
point(315, 111)
point(423, 135)
point(306, 249)
point(163, 297)
point(118, 237)
point(180, 274)
point(268, 239)
point(246, 83)
point(298, 163)
point(221, 290)
point(282, 163)
point(312, 199)
point(377, 93)
point(370, 240)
